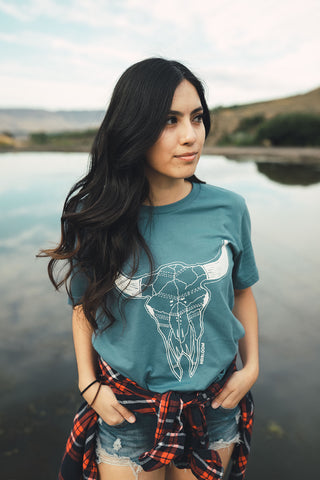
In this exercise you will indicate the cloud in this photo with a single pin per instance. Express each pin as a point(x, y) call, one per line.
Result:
point(14, 11)
point(241, 49)
point(100, 14)
point(28, 11)
point(94, 49)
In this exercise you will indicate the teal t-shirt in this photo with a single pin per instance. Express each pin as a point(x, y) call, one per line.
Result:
point(179, 333)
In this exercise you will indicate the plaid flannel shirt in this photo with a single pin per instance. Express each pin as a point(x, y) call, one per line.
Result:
point(181, 433)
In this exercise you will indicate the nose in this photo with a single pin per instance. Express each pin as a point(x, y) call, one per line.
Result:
point(188, 134)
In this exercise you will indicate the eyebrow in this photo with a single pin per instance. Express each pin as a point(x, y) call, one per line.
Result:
point(180, 114)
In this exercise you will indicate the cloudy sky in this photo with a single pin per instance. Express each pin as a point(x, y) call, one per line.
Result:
point(68, 54)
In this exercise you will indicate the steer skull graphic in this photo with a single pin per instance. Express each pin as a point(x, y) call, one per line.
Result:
point(176, 300)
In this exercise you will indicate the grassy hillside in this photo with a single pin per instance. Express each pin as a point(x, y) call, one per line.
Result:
point(291, 121)
point(64, 141)
point(226, 120)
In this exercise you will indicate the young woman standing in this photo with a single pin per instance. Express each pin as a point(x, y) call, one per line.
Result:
point(160, 270)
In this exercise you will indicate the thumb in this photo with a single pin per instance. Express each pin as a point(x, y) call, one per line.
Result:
point(219, 399)
point(126, 414)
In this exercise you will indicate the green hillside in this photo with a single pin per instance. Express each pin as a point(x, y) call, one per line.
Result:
point(292, 121)
point(253, 124)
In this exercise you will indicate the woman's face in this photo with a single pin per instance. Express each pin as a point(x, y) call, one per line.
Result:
point(176, 153)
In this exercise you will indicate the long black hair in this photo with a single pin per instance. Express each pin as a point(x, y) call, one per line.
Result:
point(99, 230)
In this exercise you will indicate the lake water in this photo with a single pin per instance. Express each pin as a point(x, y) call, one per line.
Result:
point(38, 375)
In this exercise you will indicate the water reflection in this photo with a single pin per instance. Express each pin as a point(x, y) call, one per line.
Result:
point(290, 174)
point(284, 172)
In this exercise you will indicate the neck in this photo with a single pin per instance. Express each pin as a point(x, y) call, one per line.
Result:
point(164, 194)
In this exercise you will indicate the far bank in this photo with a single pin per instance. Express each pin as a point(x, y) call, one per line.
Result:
point(295, 155)
point(290, 155)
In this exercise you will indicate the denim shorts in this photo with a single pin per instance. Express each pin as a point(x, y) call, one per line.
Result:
point(123, 444)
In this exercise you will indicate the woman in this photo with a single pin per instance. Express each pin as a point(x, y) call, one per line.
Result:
point(161, 267)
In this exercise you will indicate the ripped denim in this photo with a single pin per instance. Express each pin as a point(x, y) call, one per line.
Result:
point(123, 444)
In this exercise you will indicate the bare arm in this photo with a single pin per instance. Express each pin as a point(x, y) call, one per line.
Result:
point(85, 353)
point(241, 381)
point(245, 310)
point(106, 403)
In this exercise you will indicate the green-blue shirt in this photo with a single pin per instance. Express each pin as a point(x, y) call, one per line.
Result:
point(179, 333)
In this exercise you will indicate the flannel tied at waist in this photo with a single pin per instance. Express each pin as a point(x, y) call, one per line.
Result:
point(181, 433)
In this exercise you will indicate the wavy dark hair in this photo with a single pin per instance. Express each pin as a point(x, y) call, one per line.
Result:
point(99, 223)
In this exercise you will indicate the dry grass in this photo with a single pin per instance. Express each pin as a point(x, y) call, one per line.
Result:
point(226, 120)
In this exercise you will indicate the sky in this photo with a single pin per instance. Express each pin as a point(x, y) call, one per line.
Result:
point(68, 54)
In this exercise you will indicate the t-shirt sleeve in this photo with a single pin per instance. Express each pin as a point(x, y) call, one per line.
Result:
point(245, 272)
point(78, 285)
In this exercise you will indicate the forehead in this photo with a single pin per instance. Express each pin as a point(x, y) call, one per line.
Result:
point(185, 97)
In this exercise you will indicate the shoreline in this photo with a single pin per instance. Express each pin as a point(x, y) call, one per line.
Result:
point(290, 155)
point(295, 155)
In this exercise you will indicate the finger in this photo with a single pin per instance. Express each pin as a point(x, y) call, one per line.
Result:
point(230, 403)
point(126, 414)
point(220, 398)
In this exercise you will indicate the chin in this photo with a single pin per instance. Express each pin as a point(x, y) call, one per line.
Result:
point(190, 172)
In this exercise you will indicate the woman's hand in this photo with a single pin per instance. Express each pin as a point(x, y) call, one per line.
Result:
point(235, 389)
point(241, 381)
point(107, 406)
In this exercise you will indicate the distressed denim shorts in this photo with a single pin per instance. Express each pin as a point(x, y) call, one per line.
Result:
point(123, 444)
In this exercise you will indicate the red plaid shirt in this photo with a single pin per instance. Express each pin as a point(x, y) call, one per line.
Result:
point(181, 434)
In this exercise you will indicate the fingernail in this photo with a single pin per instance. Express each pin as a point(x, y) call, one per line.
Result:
point(132, 419)
point(215, 405)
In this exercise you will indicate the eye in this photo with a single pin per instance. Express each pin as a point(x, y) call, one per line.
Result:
point(198, 118)
point(171, 120)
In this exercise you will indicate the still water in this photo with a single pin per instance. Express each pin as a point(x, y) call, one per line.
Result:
point(38, 376)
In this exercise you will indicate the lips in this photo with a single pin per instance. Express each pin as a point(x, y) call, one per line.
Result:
point(187, 156)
